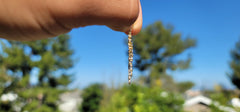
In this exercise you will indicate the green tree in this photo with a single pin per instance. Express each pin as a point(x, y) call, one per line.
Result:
point(51, 58)
point(235, 65)
point(184, 86)
point(156, 49)
point(92, 96)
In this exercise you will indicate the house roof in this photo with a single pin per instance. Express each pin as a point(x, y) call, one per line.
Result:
point(198, 100)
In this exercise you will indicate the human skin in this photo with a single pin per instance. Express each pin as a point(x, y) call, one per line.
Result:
point(27, 20)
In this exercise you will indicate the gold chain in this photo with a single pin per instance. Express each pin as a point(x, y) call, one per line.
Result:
point(130, 56)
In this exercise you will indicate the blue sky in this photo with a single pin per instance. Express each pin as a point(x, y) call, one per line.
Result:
point(215, 24)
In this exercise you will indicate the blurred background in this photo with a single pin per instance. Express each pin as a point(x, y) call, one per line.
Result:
point(186, 59)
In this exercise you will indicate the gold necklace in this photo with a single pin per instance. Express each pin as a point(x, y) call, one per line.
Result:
point(130, 56)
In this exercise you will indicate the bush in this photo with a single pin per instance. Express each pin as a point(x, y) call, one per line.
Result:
point(136, 98)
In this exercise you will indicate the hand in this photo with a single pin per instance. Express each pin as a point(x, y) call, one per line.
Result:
point(38, 19)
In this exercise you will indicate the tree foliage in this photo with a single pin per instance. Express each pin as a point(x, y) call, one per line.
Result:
point(156, 49)
point(92, 97)
point(184, 86)
point(49, 59)
point(235, 65)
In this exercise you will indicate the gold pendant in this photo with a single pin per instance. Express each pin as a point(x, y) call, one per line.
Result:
point(130, 56)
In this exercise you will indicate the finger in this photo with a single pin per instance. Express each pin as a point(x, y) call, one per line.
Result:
point(137, 25)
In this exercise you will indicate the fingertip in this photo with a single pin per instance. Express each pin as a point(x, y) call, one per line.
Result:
point(137, 26)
